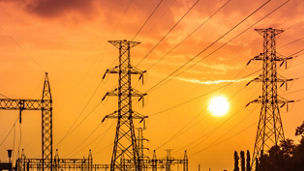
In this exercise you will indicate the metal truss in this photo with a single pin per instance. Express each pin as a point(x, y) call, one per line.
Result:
point(270, 128)
point(125, 148)
point(45, 105)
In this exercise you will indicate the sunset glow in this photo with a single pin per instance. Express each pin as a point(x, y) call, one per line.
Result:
point(218, 106)
point(192, 56)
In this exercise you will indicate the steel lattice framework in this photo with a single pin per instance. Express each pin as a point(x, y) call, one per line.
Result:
point(270, 128)
point(47, 121)
point(45, 105)
point(125, 147)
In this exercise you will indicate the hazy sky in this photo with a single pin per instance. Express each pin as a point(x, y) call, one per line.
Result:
point(68, 39)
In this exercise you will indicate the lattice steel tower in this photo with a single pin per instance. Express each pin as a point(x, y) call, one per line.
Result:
point(45, 105)
point(270, 129)
point(125, 155)
point(47, 121)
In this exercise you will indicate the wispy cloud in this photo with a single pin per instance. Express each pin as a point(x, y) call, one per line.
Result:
point(208, 82)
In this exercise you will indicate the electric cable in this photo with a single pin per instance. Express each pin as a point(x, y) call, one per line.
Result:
point(190, 34)
point(170, 30)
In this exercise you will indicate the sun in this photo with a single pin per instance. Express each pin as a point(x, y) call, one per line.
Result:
point(218, 106)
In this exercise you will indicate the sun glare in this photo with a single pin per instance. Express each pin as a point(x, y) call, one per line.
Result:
point(218, 106)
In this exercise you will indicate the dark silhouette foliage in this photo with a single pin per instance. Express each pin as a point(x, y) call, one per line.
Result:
point(248, 167)
point(287, 156)
point(236, 161)
point(242, 154)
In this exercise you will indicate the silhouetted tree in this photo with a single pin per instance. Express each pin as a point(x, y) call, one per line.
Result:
point(288, 147)
point(298, 155)
point(242, 154)
point(284, 157)
point(248, 167)
point(300, 132)
point(256, 164)
point(236, 162)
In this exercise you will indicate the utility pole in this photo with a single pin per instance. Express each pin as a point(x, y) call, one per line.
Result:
point(270, 128)
point(125, 147)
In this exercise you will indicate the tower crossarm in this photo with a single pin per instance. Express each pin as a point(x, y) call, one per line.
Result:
point(125, 145)
point(135, 115)
point(20, 104)
point(134, 93)
point(256, 58)
point(279, 58)
point(132, 70)
point(270, 127)
point(281, 101)
point(45, 106)
point(278, 79)
point(265, 31)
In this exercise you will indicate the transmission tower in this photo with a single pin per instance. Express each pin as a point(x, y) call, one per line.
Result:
point(141, 147)
point(47, 121)
point(125, 147)
point(270, 129)
point(45, 105)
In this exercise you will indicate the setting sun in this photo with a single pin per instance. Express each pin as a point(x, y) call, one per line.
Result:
point(218, 106)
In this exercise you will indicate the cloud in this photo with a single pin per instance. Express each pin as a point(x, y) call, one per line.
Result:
point(54, 8)
point(49, 8)
point(209, 82)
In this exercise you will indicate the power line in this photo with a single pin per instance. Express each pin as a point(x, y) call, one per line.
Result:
point(22, 48)
point(178, 132)
point(102, 139)
point(210, 45)
point(297, 52)
point(122, 16)
point(79, 123)
point(9, 132)
point(291, 42)
point(199, 96)
point(83, 109)
point(81, 80)
point(82, 142)
point(3, 95)
point(97, 140)
point(182, 66)
point(147, 19)
point(228, 130)
point(295, 91)
point(238, 35)
point(189, 35)
point(70, 128)
point(214, 143)
point(170, 30)
point(200, 139)
point(142, 26)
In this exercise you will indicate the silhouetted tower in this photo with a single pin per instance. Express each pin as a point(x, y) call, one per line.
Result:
point(47, 122)
point(185, 168)
point(169, 160)
point(141, 147)
point(270, 129)
point(45, 105)
point(154, 161)
point(125, 140)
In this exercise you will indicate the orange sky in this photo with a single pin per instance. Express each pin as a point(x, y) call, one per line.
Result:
point(68, 39)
